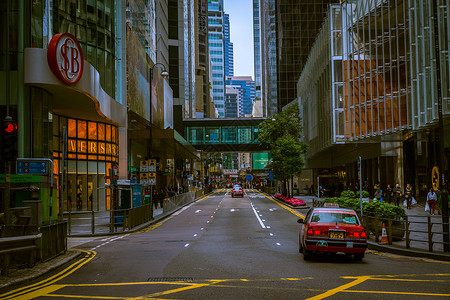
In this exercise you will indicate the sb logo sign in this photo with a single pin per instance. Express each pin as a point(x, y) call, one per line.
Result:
point(65, 58)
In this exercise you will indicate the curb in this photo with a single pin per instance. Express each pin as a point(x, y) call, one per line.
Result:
point(39, 269)
point(407, 252)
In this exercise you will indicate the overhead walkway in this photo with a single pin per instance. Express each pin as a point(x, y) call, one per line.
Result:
point(224, 134)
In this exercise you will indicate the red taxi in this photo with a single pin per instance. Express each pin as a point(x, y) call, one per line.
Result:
point(332, 230)
point(237, 191)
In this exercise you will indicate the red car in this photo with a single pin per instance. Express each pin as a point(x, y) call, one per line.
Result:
point(237, 192)
point(332, 230)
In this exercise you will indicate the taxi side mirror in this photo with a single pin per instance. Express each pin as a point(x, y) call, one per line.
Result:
point(301, 221)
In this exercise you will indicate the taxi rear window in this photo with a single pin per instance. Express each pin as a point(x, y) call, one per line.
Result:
point(334, 217)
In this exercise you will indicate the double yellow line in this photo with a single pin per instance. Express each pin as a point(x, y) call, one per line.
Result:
point(37, 289)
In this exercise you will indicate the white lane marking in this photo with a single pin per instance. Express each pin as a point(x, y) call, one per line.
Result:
point(271, 234)
point(278, 244)
point(201, 228)
point(109, 240)
point(256, 214)
point(267, 226)
point(263, 220)
point(207, 221)
point(260, 215)
point(197, 211)
point(187, 245)
point(181, 210)
point(233, 210)
point(212, 217)
point(270, 209)
point(195, 234)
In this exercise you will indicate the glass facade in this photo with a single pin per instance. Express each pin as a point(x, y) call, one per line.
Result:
point(228, 46)
point(92, 23)
point(297, 25)
point(216, 41)
point(222, 135)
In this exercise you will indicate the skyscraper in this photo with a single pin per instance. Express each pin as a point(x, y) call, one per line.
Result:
point(257, 49)
point(246, 86)
point(216, 53)
point(297, 23)
point(228, 46)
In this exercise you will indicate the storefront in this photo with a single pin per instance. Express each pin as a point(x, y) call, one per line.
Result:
point(75, 122)
point(92, 150)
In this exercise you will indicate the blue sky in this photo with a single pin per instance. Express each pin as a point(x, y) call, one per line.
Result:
point(241, 35)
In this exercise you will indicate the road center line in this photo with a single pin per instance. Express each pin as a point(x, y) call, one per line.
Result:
point(256, 214)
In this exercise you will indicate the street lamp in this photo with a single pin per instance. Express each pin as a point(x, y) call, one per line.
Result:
point(165, 75)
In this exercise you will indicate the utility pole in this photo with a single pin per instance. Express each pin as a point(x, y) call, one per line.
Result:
point(442, 156)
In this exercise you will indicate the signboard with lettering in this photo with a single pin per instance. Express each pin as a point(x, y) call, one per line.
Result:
point(65, 58)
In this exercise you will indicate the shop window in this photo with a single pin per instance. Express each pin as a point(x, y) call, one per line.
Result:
point(101, 131)
point(108, 133)
point(81, 128)
point(92, 130)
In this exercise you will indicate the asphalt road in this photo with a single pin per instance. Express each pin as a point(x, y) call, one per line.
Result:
point(231, 248)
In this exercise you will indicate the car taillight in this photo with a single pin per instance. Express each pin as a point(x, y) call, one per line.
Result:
point(356, 234)
point(317, 232)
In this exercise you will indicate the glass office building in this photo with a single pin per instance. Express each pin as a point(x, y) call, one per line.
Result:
point(216, 53)
point(370, 88)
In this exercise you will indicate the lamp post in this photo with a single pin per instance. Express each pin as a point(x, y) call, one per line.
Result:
point(164, 74)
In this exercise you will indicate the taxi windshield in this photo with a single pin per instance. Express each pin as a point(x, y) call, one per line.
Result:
point(334, 217)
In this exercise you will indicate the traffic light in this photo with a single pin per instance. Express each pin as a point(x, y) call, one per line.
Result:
point(9, 139)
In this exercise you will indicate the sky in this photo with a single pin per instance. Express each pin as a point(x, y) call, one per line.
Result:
point(241, 35)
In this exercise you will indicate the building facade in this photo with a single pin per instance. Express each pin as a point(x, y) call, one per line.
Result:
point(375, 94)
point(246, 86)
point(216, 53)
point(228, 46)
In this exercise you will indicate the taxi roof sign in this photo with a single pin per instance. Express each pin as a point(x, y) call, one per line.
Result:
point(330, 205)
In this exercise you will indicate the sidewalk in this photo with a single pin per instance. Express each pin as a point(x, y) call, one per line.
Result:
point(419, 231)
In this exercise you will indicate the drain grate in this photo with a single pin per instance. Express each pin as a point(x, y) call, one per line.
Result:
point(170, 279)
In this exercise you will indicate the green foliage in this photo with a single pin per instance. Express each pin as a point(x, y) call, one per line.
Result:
point(365, 194)
point(372, 208)
point(348, 194)
point(282, 132)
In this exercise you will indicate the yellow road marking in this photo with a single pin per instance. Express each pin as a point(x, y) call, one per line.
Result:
point(284, 206)
point(397, 293)
point(340, 288)
point(85, 297)
point(150, 296)
point(39, 293)
point(47, 282)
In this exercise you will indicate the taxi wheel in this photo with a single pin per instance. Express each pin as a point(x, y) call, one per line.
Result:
point(307, 255)
point(358, 256)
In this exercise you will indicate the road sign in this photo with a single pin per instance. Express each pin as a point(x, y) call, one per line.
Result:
point(249, 177)
point(435, 178)
point(32, 167)
point(143, 166)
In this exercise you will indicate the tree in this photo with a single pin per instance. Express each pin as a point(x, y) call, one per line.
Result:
point(282, 134)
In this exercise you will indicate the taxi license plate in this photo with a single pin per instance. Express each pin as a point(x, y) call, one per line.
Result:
point(336, 234)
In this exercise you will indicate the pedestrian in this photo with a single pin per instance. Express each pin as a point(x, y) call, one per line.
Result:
point(378, 194)
point(408, 195)
point(431, 200)
point(388, 194)
point(397, 192)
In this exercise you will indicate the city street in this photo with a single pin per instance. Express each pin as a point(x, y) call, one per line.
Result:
point(221, 247)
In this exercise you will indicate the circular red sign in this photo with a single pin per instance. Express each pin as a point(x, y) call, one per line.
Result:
point(65, 58)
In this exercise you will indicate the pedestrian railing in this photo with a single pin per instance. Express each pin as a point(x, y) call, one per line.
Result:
point(86, 223)
point(413, 231)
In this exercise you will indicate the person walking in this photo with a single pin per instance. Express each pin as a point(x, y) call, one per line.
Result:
point(388, 194)
point(397, 192)
point(408, 195)
point(431, 200)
